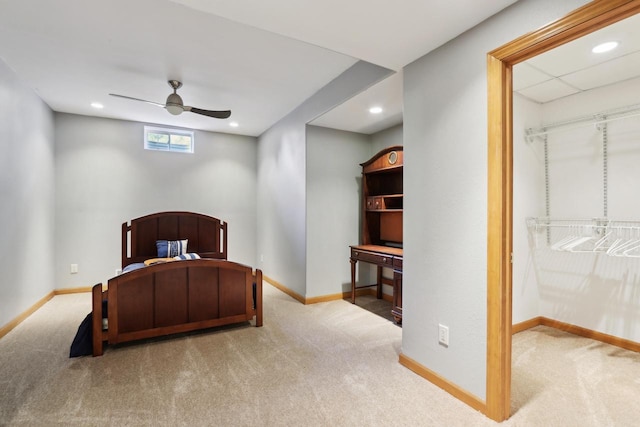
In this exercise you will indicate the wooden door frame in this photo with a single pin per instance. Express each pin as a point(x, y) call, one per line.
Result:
point(500, 62)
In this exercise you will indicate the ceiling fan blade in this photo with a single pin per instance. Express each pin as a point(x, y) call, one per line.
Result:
point(215, 114)
point(138, 99)
point(175, 106)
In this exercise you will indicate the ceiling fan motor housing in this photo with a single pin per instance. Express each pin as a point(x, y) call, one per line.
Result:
point(174, 104)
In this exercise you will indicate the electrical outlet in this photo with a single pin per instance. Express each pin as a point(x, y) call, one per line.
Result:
point(74, 268)
point(443, 335)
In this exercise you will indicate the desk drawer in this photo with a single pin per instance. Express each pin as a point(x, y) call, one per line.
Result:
point(372, 257)
point(397, 263)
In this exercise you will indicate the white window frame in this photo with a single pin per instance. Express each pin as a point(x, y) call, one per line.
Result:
point(148, 145)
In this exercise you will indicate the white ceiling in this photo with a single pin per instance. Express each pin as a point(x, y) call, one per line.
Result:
point(573, 68)
point(261, 59)
point(354, 115)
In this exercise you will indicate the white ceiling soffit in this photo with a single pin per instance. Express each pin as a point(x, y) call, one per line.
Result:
point(386, 33)
point(572, 68)
point(354, 115)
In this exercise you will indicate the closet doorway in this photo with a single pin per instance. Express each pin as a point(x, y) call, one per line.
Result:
point(594, 16)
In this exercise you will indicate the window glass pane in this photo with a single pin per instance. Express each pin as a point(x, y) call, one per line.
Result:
point(183, 140)
point(166, 139)
point(158, 137)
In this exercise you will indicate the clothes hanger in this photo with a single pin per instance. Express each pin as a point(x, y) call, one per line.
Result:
point(595, 247)
point(627, 253)
point(559, 245)
point(619, 249)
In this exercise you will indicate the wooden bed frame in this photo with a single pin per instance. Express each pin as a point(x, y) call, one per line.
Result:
point(177, 296)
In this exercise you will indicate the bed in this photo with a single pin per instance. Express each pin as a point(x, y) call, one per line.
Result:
point(165, 293)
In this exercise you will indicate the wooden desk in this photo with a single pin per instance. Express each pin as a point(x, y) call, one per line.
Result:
point(381, 256)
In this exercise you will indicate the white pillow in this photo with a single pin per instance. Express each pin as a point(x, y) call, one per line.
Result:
point(187, 256)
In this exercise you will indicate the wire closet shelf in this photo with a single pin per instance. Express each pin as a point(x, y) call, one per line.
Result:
point(619, 238)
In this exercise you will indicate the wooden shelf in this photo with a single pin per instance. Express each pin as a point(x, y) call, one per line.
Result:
point(383, 203)
point(382, 189)
point(382, 212)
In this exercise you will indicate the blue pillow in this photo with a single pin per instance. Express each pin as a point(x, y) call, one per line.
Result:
point(171, 248)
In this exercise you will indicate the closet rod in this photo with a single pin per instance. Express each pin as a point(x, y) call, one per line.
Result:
point(531, 133)
point(583, 222)
point(583, 121)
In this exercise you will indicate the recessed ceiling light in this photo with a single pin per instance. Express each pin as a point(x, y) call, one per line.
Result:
point(97, 105)
point(234, 124)
point(375, 110)
point(605, 47)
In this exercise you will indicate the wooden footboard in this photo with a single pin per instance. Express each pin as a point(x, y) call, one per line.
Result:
point(176, 297)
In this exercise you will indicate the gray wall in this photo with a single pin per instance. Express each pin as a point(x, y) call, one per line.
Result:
point(445, 180)
point(333, 186)
point(334, 205)
point(528, 201)
point(27, 197)
point(282, 174)
point(104, 177)
point(386, 138)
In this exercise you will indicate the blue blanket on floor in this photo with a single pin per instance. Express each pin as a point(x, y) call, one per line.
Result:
point(82, 344)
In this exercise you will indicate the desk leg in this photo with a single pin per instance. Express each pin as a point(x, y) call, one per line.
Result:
point(379, 283)
point(396, 309)
point(353, 280)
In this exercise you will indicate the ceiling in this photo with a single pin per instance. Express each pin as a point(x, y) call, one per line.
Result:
point(261, 59)
point(573, 68)
point(354, 115)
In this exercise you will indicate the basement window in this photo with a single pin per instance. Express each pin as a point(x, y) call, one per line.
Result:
point(168, 139)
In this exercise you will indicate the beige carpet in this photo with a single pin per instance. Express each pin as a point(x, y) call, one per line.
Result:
point(329, 364)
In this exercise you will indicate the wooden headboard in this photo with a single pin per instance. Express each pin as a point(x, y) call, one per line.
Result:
point(207, 235)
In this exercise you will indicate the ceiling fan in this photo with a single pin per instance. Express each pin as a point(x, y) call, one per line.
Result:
point(175, 106)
